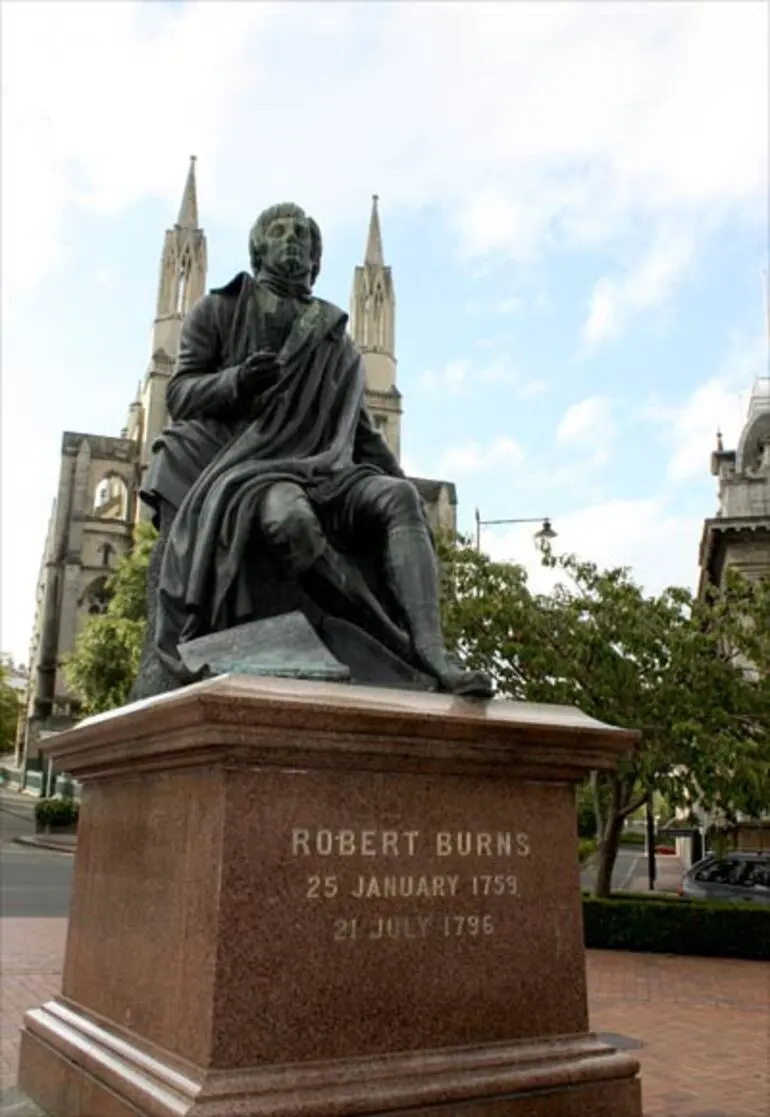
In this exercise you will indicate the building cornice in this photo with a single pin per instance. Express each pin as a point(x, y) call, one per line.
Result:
point(718, 531)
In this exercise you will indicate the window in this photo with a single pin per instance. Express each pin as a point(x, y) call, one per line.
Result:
point(96, 598)
point(111, 498)
point(758, 875)
point(722, 872)
point(183, 282)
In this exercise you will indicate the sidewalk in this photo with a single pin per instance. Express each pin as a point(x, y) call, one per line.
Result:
point(21, 806)
point(18, 803)
point(59, 843)
point(700, 1027)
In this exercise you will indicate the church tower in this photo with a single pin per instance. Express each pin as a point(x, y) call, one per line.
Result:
point(738, 537)
point(373, 328)
point(181, 283)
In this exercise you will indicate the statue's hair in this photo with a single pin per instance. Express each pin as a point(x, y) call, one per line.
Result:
point(284, 209)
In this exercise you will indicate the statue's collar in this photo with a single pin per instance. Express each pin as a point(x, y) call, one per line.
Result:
point(272, 283)
point(234, 286)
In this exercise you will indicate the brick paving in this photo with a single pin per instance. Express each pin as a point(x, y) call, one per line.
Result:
point(31, 955)
point(703, 1024)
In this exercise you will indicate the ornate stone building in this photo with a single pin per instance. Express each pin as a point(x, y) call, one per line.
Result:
point(97, 503)
point(738, 537)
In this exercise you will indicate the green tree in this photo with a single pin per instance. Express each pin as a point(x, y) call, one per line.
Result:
point(10, 711)
point(669, 666)
point(103, 666)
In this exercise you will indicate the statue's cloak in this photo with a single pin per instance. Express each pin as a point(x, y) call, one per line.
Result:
point(214, 464)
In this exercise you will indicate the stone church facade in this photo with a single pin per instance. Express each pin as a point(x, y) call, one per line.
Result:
point(738, 537)
point(97, 503)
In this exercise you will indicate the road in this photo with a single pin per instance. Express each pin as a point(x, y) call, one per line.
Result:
point(630, 872)
point(33, 882)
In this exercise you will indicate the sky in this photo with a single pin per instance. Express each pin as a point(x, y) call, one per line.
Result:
point(574, 203)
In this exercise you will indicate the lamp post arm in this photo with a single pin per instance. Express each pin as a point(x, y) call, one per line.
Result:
point(544, 520)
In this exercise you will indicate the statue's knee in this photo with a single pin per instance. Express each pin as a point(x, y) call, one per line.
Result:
point(401, 500)
point(291, 528)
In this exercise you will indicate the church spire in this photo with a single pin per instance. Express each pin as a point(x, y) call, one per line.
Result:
point(182, 281)
point(374, 257)
point(373, 327)
point(182, 269)
point(188, 210)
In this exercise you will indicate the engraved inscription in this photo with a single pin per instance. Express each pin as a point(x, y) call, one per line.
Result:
point(414, 927)
point(323, 842)
point(396, 887)
point(441, 904)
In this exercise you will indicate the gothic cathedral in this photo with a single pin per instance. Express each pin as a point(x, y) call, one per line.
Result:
point(97, 503)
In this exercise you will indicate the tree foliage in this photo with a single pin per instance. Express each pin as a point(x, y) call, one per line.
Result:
point(10, 711)
point(103, 666)
point(670, 666)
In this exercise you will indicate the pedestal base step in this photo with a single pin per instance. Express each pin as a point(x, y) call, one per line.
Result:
point(73, 1066)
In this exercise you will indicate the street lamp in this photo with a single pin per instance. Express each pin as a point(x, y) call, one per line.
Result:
point(546, 531)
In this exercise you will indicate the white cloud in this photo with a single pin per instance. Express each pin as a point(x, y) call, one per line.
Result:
point(664, 119)
point(464, 375)
point(471, 457)
point(645, 285)
point(588, 425)
point(719, 403)
point(660, 546)
point(453, 375)
point(665, 116)
point(713, 406)
point(510, 304)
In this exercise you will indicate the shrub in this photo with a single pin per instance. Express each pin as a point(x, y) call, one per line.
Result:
point(56, 812)
point(586, 847)
point(676, 926)
point(586, 819)
point(633, 838)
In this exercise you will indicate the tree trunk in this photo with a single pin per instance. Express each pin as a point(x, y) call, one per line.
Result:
point(609, 843)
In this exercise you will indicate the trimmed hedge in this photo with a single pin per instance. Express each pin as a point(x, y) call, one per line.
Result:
point(678, 926)
point(56, 812)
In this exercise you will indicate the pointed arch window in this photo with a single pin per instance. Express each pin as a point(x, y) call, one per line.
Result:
point(365, 331)
point(97, 598)
point(183, 282)
point(111, 498)
point(378, 317)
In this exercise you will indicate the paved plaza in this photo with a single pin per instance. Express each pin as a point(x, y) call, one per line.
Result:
point(701, 1027)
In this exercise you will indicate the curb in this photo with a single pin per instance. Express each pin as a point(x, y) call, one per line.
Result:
point(43, 843)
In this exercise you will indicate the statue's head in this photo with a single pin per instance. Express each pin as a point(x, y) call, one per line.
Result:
point(286, 242)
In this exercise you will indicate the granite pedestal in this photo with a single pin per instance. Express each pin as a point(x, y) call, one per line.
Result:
point(304, 899)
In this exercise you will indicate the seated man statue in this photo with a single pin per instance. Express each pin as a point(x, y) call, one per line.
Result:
point(271, 487)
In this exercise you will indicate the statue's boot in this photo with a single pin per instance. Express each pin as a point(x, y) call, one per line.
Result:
point(331, 571)
point(412, 573)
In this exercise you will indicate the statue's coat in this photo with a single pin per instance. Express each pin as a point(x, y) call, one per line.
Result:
point(214, 463)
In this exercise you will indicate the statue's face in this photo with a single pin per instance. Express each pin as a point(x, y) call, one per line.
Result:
point(287, 246)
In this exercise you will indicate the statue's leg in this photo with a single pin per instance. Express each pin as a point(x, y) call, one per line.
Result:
point(153, 677)
point(411, 569)
point(291, 527)
point(294, 533)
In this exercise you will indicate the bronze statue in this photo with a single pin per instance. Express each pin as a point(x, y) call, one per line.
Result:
point(271, 487)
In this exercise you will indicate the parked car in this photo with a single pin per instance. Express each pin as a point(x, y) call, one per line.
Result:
point(739, 875)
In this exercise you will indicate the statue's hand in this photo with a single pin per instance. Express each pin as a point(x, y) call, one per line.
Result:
point(257, 373)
